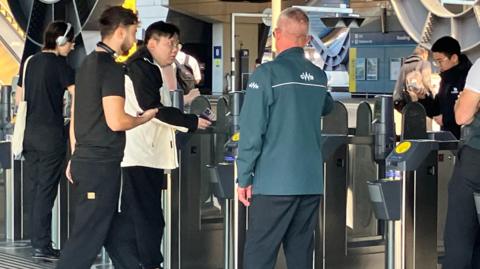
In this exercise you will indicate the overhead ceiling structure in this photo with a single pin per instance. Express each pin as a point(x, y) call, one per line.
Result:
point(427, 20)
point(34, 16)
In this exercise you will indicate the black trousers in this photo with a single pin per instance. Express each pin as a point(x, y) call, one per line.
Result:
point(42, 173)
point(276, 220)
point(97, 192)
point(137, 231)
point(462, 237)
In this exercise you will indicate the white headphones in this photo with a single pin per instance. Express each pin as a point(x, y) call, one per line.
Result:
point(62, 40)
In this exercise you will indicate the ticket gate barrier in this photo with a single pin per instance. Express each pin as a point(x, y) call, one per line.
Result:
point(412, 170)
point(198, 208)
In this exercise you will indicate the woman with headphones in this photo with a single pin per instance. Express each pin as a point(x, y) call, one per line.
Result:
point(44, 77)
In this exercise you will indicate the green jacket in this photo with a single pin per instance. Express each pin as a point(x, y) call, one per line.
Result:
point(280, 148)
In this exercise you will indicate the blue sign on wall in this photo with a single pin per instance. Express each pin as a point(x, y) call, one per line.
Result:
point(217, 52)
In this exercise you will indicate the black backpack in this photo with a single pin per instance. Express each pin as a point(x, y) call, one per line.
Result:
point(185, 77)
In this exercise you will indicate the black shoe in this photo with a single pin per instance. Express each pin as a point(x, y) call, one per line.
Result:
point(47, 253)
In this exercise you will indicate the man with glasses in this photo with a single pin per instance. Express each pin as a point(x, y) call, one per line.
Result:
point(280, 163)
point(453, 66)
point(138, 229)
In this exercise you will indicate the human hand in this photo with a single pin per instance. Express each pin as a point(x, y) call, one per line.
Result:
point(149, 114)
point(413, 95)
point(188, 98)
point(438, 119)
point(68, 173)
point(203, 123)
point(244, 194)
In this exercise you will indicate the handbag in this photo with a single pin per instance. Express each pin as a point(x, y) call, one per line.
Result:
point(20, 121)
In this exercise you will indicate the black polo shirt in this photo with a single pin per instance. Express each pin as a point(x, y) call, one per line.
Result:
point(99, 76)
point(47, 77)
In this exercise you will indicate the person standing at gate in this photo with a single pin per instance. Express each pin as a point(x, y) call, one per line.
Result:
point(47, 76)
point(138, 228)
point(454, 68)
point(100, 122)
point(462, 230)
point(415, 75)
point(280, 166)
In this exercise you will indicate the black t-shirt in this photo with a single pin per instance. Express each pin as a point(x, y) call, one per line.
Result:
point(98, 76)
point(47, 77)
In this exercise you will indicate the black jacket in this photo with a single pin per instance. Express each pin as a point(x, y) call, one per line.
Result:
point(147, 81)
point(453, 82)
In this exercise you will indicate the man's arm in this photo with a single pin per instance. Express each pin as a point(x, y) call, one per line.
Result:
point(117, 119)
point(253, 124)
point(328, 104)
point(469, 99)
point(466, 106)
point(147, 93)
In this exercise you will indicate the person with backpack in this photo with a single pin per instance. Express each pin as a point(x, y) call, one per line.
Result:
point(454, 67)
point(414, 76)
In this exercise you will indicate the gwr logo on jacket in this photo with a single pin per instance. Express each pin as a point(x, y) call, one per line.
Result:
point(307, 76)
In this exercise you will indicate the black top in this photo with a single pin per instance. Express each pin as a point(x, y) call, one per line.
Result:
point(47, 77)
point(98, 76)
point(452, 83)
point(147, 81)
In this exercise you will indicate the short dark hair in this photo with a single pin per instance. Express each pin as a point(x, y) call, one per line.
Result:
point(114, 17)
point(447, 45)
point(161, 28)
point(53, 31)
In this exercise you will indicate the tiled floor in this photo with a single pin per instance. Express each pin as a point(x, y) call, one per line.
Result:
point(16, 255)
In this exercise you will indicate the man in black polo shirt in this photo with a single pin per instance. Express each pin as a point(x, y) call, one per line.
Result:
point(100, 123)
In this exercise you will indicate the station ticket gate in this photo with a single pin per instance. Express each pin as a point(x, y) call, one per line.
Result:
point(205, 227)
point(408, 198)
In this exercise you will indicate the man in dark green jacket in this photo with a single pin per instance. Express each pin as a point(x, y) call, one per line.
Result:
point(280, 157)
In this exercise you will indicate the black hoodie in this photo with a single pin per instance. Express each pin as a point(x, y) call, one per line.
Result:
point(453, 82)
point(147, 81)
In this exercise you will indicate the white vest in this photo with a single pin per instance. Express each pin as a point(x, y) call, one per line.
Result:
point(151, 144)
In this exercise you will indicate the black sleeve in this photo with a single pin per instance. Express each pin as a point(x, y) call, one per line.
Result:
point(66, 74)
point(113, 83)
point(147, 90)
point(431, 105)
point(175, 116)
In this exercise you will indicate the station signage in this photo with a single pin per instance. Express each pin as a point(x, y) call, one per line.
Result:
point(379, 39)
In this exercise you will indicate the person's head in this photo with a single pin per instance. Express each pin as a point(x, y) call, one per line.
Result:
point(292, 29)
point(421, 52)
point(161, 40)
point(118, 27)
point(446, 53)
point(58, 37)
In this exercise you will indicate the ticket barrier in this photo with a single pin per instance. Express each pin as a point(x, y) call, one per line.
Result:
point(200, 204)
point(351, 156)
point(408, 199)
